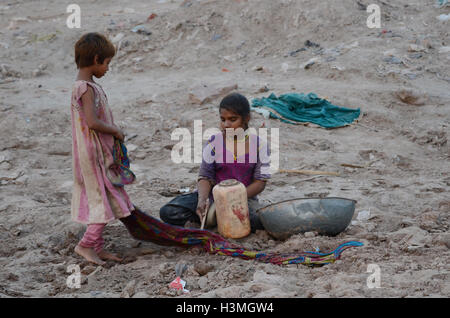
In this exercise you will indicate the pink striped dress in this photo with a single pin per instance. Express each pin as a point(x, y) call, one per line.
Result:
point(94, 198)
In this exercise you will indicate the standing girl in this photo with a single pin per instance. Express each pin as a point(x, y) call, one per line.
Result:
point(95, 200)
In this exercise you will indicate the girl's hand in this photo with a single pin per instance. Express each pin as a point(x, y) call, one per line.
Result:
point(202, 208)
point(119, 134)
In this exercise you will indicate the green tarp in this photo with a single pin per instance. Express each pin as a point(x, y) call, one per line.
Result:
point(293, 108)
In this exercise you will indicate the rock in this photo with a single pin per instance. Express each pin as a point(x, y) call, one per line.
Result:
point(309, 43)
point(146, 251)
point(263, 89)
point(444, 239)
point(10, 175)
point(203, 282)
point(96, 293)
point(311, 62)
point(429, 221)
point(141, 29)
point(294, 53)
point(164, 61)
point(203, 268)
point(410, 97)
point(443, 17)
point(363, 215)
point(7, 71)
point(310, 234)
point(410, 236)
point(89, 269)
point(128, 291)
point(393, 60)
point(206, 94)
point(127, 259)
point(401, 162)
point(168, 254)
point(37, 73)
point(416, 55)
point(165, 269)
point(257, 288)
point(416, 48)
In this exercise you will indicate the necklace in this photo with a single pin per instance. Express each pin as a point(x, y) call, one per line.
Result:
point(231, 140)
point(232, 136)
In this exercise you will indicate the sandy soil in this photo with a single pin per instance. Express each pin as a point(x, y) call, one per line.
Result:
point(403, 141)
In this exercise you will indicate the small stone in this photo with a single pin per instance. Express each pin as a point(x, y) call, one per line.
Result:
point(88, 270)
point(393, 60)
point(444, 239)
point(128, 291)
point(168, 254)
point(12, 277)
point(410, 97)
point(147, 251)
point(203, 282)
point(416, 48)
point(310, 234)
point(263, 89)
point(203, 268)
point(310, 63)
point(37, 73)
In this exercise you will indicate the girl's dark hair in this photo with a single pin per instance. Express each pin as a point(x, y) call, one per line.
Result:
point(236, 103)
point(90, 45)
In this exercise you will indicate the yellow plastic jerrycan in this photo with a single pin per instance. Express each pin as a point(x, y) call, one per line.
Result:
point(230, 197)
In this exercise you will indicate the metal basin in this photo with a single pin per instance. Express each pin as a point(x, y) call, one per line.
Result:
point(327, 216)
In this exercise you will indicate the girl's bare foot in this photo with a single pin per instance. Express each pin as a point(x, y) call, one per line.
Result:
point(89, 254)
point(108, 256)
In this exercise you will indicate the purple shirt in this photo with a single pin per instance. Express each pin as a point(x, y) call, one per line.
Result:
point(219, 164)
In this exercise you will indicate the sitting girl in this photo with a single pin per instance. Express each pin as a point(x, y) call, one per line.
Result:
point(234, 113)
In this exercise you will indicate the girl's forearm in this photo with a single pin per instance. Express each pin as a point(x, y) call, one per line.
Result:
point(255, 188)
point(103, 127)
point(204, 188)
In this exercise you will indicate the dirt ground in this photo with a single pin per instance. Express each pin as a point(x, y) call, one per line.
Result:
point(398, 75)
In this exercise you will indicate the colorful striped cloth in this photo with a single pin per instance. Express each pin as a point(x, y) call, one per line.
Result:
point(119, 172)
point(147, 228)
